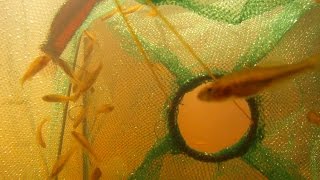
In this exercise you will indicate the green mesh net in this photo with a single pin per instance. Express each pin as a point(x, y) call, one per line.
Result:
point(140, 138)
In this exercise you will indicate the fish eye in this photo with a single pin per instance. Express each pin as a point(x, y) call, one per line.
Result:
point(210, 89)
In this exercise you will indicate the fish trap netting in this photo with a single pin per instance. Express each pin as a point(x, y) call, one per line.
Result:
point(140, 138)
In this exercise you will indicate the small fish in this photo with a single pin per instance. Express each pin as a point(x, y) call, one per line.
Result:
point(58, 98)
point(96, 174)
point(79, 117)
point(104, 108)
point(92, 77)
point(37, 65)
point(61, 162)
point(313, 117)
point(39, 133)
point(67, 70)
point(84, 143)
point(251, 81)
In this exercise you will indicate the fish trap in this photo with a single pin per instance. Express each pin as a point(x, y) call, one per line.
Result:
point(153, 55)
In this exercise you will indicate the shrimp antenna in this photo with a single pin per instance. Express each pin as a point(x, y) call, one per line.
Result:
point(140, 48)
point(77, 66)
point(241, 109)
point(189, 48)
point(181, 39)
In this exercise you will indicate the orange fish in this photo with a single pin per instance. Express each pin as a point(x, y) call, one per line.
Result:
point(88, 48)
point(39, 133)
point(251, 81)
point(37, 65)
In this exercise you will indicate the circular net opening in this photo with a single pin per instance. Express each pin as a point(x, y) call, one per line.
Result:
point(211, 126)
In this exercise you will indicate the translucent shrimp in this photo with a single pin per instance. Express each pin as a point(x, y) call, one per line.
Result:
point(92, 77)
point(67, 70)
point(58, 98)
point(84, 143)
point(79, 117)
point(61, 162)
point(40, 140)
point(37, 65)
point(88, 44)
point(104, 108)
point(96, 174)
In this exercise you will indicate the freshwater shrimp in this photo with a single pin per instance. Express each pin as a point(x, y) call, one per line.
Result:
point(88, 48)
point(92, 77)
point(84, 143)
point(104, 108)
point(66, 69)
point(61, 162)
point(59, 98)
point(37, 65)
point(96, 174)
point(39, 133)
point(79, 117)
point(89, 45)
point(250, 82)
point(313, 117)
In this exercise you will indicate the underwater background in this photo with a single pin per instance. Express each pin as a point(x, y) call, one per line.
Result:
point(154, 56)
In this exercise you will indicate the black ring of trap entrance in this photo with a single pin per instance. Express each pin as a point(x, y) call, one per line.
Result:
point(236, 150)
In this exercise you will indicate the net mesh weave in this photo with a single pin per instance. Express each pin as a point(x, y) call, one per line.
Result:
point(136, 139)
